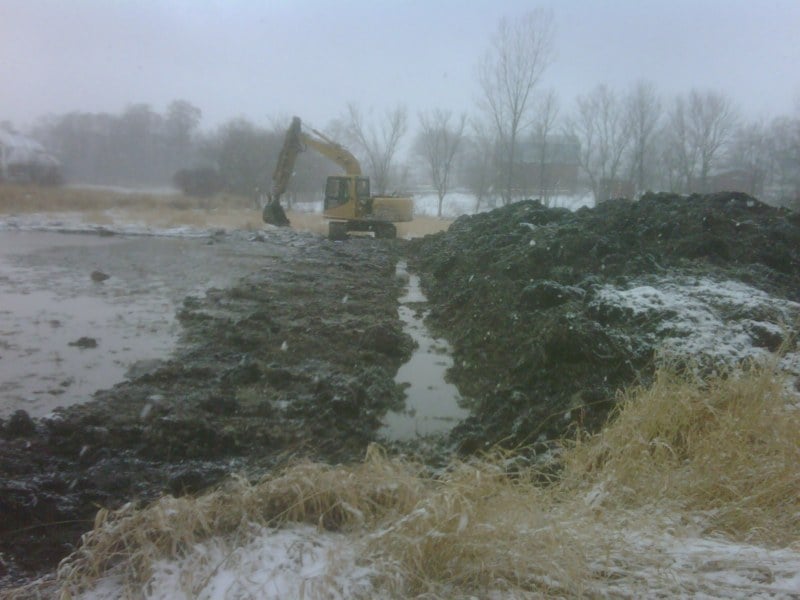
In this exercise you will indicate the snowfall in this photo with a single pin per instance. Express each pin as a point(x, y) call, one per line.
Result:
point(695, 316)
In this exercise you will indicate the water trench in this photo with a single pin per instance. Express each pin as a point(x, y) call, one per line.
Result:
point(432, 404)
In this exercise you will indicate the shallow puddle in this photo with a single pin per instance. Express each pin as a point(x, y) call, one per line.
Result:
point(49, 300)
point(64, 336)
point(432, 404)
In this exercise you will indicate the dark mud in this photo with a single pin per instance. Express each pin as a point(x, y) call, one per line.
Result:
point(517, 293)
point(296, 360)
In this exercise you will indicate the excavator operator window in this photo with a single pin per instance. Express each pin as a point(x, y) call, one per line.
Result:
point(362, 187)
point(335, 192)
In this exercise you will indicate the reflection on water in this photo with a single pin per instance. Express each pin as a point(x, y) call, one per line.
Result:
point(46, 309)
point(432, 404)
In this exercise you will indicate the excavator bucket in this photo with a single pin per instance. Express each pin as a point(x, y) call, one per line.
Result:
point(273, 211)
point(273, 214)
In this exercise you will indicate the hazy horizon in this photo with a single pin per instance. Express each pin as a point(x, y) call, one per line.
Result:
point(310, 58)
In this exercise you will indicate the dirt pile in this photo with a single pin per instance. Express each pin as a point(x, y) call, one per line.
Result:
point(523, 293)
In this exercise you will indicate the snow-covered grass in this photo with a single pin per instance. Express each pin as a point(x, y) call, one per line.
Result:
point(708, 321)
point(129, 212)
point(690, 491)
point(296, 561)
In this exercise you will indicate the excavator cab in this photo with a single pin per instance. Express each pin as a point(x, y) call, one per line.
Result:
point(339, 189)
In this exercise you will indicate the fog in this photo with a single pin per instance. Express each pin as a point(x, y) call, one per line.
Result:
point(259, 60)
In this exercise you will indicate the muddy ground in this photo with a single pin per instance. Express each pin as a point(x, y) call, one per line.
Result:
point(295, 355)
point(295, 359)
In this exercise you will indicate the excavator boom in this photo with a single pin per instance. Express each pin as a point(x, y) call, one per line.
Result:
point(330, 149)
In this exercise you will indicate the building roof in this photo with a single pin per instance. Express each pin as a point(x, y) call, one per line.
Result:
point(18, 149)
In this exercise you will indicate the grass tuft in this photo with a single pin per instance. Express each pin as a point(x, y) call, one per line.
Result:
point(727, 447)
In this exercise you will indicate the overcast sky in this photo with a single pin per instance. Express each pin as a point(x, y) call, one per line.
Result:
point(260, 59)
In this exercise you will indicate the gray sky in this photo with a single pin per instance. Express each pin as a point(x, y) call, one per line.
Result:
point(310, 57)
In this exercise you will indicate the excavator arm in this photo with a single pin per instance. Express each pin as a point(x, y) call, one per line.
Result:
point(296, 141)
point(273, 211)
point(330, 149)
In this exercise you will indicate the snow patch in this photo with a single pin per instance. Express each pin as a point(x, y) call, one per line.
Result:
point(725, 321)
point(74, 223)
point(662, 564)
point(296, 562)
point(456, 204)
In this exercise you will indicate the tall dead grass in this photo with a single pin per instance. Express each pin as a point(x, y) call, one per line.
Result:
point(727, 447)
point(722, 452)
point(29, 198)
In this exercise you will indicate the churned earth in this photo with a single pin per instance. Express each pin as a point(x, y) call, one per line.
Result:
point(290, 352)
point(550, 312)
point(277, 345)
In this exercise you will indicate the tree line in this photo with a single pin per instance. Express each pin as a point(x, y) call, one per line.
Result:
point(520, 141)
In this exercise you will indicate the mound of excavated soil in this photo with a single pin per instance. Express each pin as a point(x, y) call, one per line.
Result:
point(539, 303)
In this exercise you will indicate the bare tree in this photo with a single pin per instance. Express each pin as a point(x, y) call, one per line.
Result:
point(749, 153)
point(666, 173)
point(784, 143)
point(699, 126)
point(680, 152)
point(712, 119)
point(543, 125)
point(643, 107)
point(182, 120)
point(520, 51)
point(603, 130)
point(438, 143)
point(378, 143)
point(479, 166)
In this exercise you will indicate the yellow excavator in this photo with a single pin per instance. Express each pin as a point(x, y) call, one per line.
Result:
point(348, 204)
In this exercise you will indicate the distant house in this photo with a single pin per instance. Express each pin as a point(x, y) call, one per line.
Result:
point(549, 167)
point(25, 160)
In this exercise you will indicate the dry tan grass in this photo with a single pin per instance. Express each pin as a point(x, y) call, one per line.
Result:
point(105, 207)
point(728, 447)
point(335, 498)
point(722, 452)
point(30, 198)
